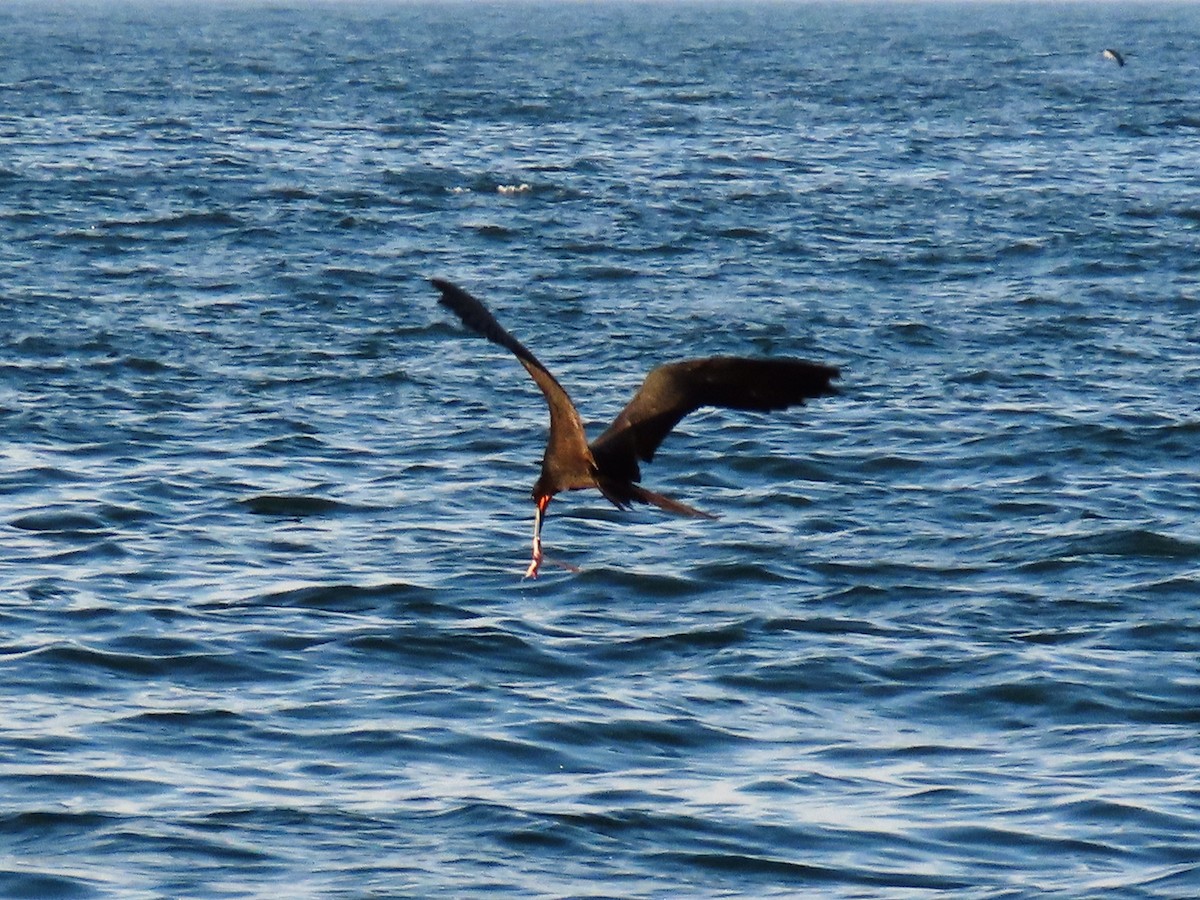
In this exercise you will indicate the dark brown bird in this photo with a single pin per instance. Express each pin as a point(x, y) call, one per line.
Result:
point(670, 392)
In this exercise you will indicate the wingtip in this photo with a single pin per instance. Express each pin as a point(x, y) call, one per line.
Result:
point(448, 290)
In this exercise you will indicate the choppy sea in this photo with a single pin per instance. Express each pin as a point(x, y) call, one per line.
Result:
point(264, 505)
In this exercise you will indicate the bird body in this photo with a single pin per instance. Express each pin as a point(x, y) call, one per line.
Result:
point(669, 392)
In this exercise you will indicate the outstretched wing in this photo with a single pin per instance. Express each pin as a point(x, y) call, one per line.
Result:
point(672, 391)
point(567, 438)
point(477, 317)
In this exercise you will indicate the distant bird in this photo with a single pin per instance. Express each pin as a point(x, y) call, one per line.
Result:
point(1114, 56)
point(670, 392)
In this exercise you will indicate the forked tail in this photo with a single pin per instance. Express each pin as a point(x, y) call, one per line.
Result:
point(640, 494)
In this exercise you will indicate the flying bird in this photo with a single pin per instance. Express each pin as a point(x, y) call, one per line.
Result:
point(670, 392)
point(1114, 55)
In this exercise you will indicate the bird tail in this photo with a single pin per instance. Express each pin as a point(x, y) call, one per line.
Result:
point(639, 493)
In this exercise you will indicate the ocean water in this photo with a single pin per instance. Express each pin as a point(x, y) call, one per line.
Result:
point(264, 505)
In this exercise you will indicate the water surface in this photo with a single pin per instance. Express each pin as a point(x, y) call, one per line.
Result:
point(264, 505)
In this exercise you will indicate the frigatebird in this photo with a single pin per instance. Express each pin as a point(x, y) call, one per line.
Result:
point(670, 392)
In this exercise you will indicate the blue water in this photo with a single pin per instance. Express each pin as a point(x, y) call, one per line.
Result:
point(264, 504)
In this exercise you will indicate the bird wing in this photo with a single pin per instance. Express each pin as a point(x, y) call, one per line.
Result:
point(673, 390)
point(567, 437)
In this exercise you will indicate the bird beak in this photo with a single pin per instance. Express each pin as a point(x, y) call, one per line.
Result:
point(538, 518)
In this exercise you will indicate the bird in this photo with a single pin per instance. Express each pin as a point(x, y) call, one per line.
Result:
point(1114, 55)
point(610, 463)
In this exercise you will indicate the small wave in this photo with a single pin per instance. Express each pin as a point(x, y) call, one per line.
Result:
point(479, 647)
point(352, 277)
point(97, 551)
point(78, 658)
point(360, 199)
point(824, 625)
point(491, 229)
point(44, 821)
point(292, 506)
point(60, 523)
point(745, 233)
point(1174, 586)
point(290, 192)
point(506, 751)
point(679, 643)
point(291, 444)
point(140, 364)
point(490, 186)
point(192, 219)
point(219, 719)
point(914, 334)
point(627, 734)
point(773, 869)
point(417, 600)
point(1005, 843)
point(392, 86)
point(738, 571)
point(649, 584)
point(1121, 814)
point(610, 273)
point(894, 463)
point(39, 885)
point(1134, 542)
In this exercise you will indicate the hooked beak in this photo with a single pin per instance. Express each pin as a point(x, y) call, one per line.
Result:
point(538, 517)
